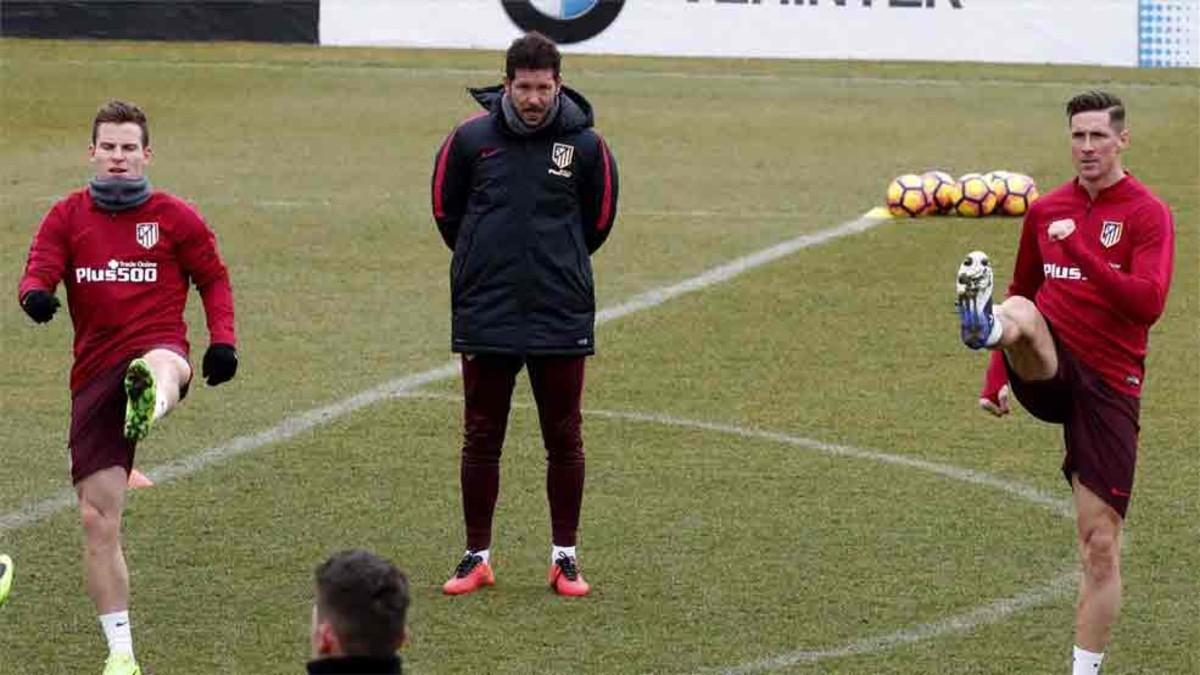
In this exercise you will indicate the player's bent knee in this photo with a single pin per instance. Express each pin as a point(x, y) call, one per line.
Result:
point(1102, 553)
point(98, 525)
point(169, 364)
point(1020, 313)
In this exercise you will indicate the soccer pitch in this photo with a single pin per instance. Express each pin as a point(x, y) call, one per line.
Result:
point(786, 468)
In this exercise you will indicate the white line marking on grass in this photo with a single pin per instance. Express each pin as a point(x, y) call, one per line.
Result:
point(729, 270)
point(614, 73)
point(288, 428)
point(35, 512)
point(992, 612)
point(1057, 506)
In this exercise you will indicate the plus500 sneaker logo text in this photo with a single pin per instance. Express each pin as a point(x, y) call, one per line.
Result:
point(117, 271)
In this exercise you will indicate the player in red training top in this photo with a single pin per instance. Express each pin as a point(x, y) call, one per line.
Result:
point(125, 254)
point(1091, 277)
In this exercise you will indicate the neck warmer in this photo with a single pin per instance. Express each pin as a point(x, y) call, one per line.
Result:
point(518, 125)
point(119, 194)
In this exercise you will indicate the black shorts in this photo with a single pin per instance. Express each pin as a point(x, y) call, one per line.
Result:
point(97, 439)
point(1100, 425)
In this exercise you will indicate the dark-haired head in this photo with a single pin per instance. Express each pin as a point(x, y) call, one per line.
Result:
point(363, 600)
point(121, 112)
point(532, 51)
point(1096, 100)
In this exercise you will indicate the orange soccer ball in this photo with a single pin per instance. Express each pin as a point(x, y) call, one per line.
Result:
point(1020, 191)
point(941, 190)
point(977, 198)
point(996, 180)
point(906, 196)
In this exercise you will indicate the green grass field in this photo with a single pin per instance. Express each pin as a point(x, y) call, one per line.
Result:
point(715, 539)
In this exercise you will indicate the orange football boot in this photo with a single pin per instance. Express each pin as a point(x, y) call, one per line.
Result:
point(471, 574)
point(565, 578)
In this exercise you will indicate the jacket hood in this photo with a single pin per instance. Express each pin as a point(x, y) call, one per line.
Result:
point(574, 111)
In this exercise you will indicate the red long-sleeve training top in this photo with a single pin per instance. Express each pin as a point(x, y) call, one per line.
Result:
point(1102, 287)
point(126, 274)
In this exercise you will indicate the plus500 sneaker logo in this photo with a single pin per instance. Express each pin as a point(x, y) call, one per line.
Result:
point(564, 21)
point(117, 271)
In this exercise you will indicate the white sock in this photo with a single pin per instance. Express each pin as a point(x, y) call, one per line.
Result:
point(486, 554)
point(116, 629)
point(993, 337)
point(556, 551)
point(1085, 662)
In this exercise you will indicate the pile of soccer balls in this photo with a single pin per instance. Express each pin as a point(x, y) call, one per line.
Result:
point(973, 195)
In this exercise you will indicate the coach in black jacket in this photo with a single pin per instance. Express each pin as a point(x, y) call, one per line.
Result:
point(523, 194)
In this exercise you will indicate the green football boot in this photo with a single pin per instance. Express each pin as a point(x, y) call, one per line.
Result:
point(121, 664)
point(6, 578)
point(140, 398)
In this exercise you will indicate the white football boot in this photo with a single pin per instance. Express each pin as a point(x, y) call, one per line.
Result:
point(974, 286)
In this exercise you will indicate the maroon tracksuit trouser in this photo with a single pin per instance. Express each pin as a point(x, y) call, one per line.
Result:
point(557, 383)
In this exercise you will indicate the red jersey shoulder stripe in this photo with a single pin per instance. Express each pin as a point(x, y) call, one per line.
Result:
point(439, 174)
point(606, 201)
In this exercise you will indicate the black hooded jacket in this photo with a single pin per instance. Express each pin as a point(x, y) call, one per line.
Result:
point(522, 215)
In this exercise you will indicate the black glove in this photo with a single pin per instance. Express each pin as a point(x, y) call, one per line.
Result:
point(40, 305)
point(220, 364)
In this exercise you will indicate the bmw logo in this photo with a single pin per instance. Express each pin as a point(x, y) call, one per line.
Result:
point(564, 21)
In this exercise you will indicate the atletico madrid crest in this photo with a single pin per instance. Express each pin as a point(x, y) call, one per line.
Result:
point(147, 234)
point(1110, 233)
point(562, 154)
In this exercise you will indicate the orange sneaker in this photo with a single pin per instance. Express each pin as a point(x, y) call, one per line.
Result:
point(137, 479)
point(472, 573)
point(565, 578)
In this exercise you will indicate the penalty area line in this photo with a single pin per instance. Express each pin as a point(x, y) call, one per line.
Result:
point(35, 512)
point(991, 612)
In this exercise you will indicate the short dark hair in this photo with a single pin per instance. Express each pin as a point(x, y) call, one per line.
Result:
point(533, 51)
point(120, 112)
point(1095, 99)
point(365, 599)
